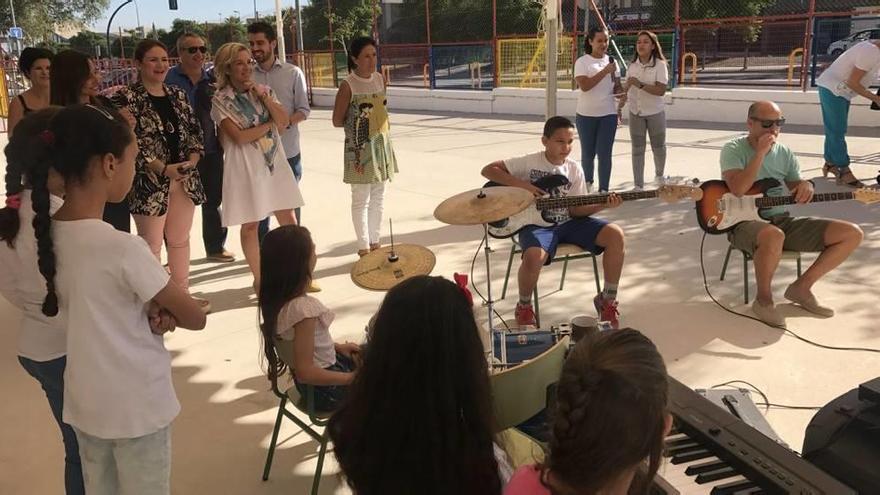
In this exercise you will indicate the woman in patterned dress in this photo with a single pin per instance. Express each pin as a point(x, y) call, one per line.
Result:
point(167, 186)
point(257, 180)
point(361, 108)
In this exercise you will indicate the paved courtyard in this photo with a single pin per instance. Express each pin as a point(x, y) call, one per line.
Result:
point(221, 436)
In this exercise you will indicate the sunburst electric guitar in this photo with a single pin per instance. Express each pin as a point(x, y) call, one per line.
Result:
point(720, 210)
point(545, 211)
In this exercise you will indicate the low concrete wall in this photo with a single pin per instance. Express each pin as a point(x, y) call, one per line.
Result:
point(685, 103)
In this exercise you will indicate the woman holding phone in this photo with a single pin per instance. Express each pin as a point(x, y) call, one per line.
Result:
point(598, 80)
point(167, 186)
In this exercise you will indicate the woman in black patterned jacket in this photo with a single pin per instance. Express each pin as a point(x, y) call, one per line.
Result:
point(167, 186)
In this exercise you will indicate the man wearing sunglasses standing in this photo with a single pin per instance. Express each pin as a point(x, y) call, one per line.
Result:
point(198, 83)
point(289, 84)
point(759, 155)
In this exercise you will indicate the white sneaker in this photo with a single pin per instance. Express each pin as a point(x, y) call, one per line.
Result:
point(589, 188)
point(659, 180)
point(638, 189)
point(768, 314)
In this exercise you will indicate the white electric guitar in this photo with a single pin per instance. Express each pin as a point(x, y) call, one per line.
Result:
point(545, 211)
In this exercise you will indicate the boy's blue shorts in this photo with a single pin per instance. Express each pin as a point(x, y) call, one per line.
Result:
point(578, 231)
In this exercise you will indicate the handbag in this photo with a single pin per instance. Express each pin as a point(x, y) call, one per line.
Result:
point(874, 105)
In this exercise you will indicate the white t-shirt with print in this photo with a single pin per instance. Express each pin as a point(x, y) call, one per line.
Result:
point(640, 101)
point(599, 100)
point(118, 378)
point(41, 338)
point(535, 166)
point(864, 55)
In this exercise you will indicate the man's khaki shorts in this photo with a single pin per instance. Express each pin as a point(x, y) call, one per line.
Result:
point(804, 234)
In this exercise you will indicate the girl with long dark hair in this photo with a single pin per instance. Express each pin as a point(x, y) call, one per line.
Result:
point(418, 417)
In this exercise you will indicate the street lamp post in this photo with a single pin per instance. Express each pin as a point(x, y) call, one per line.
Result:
point(14, 24)
point(109, 23)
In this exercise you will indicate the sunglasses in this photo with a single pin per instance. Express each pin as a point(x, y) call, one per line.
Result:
point(766, 124)
point(193, 49)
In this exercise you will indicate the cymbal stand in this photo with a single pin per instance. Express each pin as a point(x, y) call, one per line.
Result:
point(490, 305)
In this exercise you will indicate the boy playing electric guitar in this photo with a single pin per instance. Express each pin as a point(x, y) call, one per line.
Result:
point(575, 225)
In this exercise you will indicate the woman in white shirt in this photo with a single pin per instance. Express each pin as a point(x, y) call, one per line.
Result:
point(597, 77)
point(646, 85)
point(846, 77)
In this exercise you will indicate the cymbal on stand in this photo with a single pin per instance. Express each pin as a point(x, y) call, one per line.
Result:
point(380, 271)
point(485, 205)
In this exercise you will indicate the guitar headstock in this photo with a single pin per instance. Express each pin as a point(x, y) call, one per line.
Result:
point(867, 195)
point(674, 194)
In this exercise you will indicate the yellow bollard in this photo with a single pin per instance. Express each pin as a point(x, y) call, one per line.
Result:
point(684, 59)
point(794, 53)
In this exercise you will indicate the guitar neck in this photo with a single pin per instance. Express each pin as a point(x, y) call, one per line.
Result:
point(817, 198)
point(592, 199)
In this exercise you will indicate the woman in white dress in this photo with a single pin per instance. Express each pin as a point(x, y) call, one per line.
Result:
point(257, 181)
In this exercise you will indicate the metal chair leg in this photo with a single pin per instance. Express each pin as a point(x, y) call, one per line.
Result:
point(274, 439)
point(726, 260)
point(317, 479)
point(799, 265)
point(596, 274)
point(745, 277)
point(564, 269)
point(537, 309)
point(507, 275)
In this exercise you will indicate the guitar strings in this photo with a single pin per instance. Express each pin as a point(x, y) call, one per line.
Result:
point(784, 329)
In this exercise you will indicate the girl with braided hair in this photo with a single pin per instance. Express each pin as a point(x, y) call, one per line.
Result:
point(118, 395)
point(42, 346)
point(609, 421)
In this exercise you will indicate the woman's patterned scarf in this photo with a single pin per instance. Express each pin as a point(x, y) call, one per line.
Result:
point(240, 106)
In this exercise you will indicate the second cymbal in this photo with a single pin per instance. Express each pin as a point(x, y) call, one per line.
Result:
point(380, 271)
point(484, 205)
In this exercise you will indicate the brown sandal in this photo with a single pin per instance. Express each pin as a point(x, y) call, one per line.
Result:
point(375, 246)
point(363, 252)
point(843, 175)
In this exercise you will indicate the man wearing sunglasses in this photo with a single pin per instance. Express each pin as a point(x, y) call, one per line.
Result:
point(198, 83)
point(759, 155)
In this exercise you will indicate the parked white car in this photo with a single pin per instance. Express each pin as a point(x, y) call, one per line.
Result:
point(840, 46)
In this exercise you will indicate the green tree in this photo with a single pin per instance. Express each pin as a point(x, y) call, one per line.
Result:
point(86, 41)
point(232, 30)
point(348, 24)
point(350, 18)
point(179, 27)
point(39, 17)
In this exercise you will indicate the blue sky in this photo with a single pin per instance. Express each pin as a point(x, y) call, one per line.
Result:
point(199, 10)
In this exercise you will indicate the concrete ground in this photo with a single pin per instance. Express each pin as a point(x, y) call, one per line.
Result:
point(222, 434)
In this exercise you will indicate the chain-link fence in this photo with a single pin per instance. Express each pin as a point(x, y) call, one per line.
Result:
point(483, 44)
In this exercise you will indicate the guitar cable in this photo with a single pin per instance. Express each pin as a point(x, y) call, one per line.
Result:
point(779, 327)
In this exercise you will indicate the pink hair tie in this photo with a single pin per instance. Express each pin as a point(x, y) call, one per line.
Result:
point(462, 281)
point(13, 201)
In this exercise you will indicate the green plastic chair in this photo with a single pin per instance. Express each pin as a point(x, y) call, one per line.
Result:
point(564, 253)
point(304, 405)
point(521, 449)
point(786, 255)
point(520, 392)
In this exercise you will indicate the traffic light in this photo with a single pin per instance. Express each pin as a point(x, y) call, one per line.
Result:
point(172, 4)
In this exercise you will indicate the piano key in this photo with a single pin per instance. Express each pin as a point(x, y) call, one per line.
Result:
point(733, 487)
point(683, 439)
point(704, 467)
point(718, 474)
point(683, 448)
point(691, 456)
point(750, 491)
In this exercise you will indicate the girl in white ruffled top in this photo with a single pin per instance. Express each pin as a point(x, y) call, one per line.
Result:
point(287, 260)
